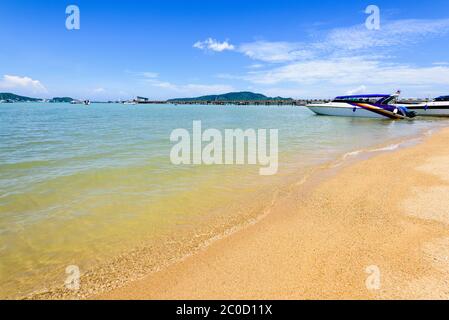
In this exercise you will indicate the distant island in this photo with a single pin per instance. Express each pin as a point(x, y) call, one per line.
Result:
point(11, 98)
point(244, 96)
point(231, 98)
point(61, 100)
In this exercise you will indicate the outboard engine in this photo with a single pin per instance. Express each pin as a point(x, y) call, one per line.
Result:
point(406, 112)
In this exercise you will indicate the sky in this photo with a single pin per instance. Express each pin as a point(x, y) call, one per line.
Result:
point(167, 49)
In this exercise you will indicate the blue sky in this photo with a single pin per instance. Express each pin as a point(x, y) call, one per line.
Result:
point(166, 49)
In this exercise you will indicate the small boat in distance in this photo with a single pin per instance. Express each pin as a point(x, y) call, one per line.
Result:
point(85, 102)
point(364, 106)
point(439, 107)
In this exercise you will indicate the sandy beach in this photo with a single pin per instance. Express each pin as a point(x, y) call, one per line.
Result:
point(389, 212)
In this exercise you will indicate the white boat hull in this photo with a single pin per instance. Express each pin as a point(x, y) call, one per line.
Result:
point(344, 111)
point(431, 109)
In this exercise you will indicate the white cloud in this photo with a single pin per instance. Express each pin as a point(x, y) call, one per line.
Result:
point(275, 51)
point(191, 89)
point(348, 60)
point(214, 45)
point(350, 71)
point(324, 78)
point(255, 66)
point(359, 89)
point(168, 89)
point(347, 41)
point(227, 76)
point(163, 84)
point(143, 74)
point(204, 89)
point(400, 32)
point(282, 92)
point(150, 75)
point(99, 90)
point(441, 63)
point(339, 42)
point(25, 84)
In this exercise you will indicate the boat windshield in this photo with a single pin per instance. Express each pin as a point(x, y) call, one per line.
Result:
point(443, 98)
point(362, 99)
point(390, 100)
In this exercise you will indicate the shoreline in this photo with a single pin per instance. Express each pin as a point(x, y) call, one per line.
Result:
point(266, 259)
point(137, 265)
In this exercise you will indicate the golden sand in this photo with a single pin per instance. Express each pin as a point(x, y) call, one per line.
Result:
point(389, 212)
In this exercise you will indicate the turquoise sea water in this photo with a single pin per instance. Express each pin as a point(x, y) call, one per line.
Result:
point(79, 185)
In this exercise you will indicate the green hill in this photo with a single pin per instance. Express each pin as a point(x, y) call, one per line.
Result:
point(232, 96)
point(61, 100)
point(11, 97)
point(16, 98)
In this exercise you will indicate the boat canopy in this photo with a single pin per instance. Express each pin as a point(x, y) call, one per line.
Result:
point(442, 98)
point(372, 98)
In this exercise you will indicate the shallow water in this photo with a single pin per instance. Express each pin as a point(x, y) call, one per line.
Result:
point(80, 185)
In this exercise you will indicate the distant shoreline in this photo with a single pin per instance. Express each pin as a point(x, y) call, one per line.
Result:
point(232, 98)
point(214, 103)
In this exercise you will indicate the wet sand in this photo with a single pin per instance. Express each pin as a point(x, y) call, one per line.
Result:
point(389, 213)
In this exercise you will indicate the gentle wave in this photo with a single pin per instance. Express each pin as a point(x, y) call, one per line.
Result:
point(108, 189)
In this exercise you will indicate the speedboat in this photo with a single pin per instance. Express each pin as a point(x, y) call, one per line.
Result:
point(364, 106)
point(438, 107)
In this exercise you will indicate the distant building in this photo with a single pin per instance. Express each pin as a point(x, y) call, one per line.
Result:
point(141, 99)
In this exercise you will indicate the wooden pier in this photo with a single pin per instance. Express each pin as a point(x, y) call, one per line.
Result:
point(301, 102)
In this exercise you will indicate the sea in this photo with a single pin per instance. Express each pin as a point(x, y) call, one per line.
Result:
point(94, 187)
